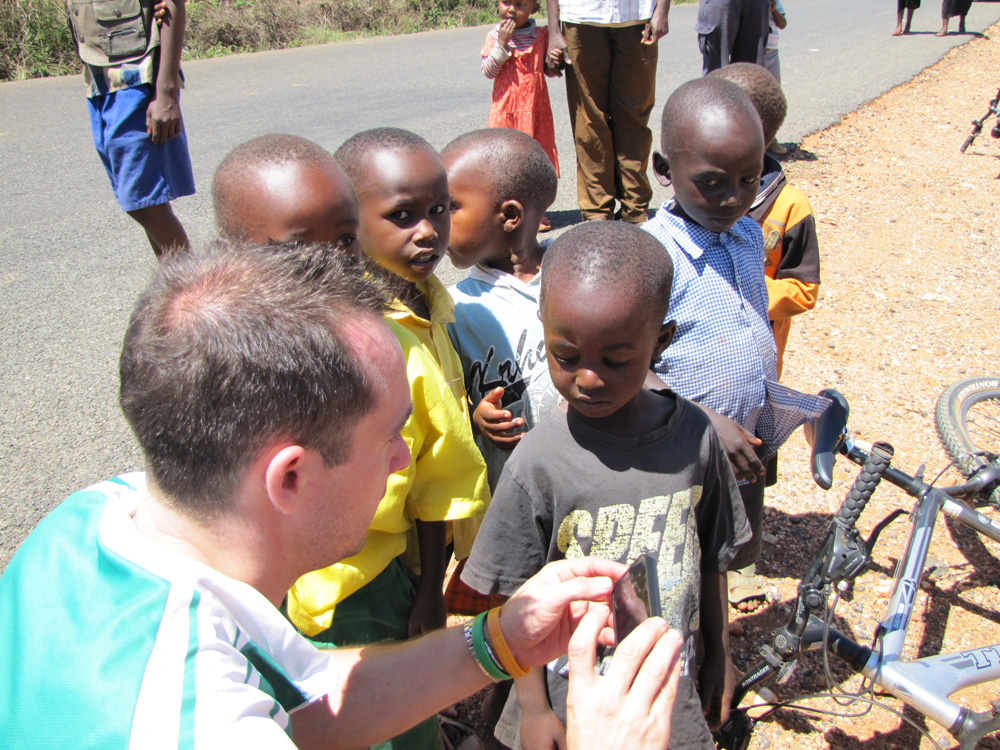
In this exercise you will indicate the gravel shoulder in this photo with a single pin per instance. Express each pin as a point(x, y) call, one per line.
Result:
point(909, 304)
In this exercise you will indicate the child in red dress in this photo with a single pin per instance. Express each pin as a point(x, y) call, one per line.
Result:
point(514, 59)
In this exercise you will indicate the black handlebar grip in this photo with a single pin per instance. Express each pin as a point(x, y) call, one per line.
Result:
point(871, 474)
point(968, 142)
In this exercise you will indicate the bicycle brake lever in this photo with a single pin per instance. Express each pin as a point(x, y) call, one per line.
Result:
point(880, 527)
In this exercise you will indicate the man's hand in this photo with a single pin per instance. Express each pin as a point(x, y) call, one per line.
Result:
point(495, 424)
point(629, 708)
point(739, 446)
point(556, 58)
point(656, 26)
point(539, 617)
point(163, 116)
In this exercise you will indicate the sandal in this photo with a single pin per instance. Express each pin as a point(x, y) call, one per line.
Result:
point(456, 735)
point(544, 225)
point(746, 589)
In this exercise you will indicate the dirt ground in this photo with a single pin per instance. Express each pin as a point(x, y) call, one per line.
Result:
point(909, 304)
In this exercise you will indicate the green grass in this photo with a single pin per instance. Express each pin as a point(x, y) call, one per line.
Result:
point(35, 39)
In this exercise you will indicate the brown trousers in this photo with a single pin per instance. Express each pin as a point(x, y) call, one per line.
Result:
point(611, 87)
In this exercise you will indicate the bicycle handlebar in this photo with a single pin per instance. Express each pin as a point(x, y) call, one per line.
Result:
point(875, 466)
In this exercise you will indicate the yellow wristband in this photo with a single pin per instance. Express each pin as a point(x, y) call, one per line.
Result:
point(500, 647)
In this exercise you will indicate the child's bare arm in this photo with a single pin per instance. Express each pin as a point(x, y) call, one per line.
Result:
point(779, 18)
point(540, 727)
point(739, 446)
point(495, 56)
point(428, 611)
point(715, 678)
point(496, 424)
point(163, 115)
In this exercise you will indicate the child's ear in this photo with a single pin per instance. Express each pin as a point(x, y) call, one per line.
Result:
point(513, 213)
point(667, 331)
point(661, 169)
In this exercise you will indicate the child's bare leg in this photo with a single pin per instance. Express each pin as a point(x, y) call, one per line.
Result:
point(163, 228)
point(909, 18)
point(961, 24)
point(899, 24)
point(944, 27)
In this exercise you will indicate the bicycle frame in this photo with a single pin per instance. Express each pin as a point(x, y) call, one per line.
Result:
point(926, 683)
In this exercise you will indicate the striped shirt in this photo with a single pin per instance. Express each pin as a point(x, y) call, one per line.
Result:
point(113, 641)
point(520, 41)
point(606, 12)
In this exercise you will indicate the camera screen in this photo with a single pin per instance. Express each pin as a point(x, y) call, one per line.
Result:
point(630, 599)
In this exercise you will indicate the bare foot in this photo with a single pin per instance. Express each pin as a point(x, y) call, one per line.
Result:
point(897, 32)
point(941, 33)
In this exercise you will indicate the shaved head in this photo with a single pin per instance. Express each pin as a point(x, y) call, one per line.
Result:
point(703, 101)
point(513, 165)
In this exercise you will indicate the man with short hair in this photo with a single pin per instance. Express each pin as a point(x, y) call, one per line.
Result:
point(267, 396)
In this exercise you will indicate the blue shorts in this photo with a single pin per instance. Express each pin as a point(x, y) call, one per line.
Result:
point(142, 173)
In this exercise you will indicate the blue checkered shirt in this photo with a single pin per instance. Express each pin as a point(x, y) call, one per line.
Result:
point(723, 355)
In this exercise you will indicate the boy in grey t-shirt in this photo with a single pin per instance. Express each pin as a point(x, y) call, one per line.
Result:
point(618, 471)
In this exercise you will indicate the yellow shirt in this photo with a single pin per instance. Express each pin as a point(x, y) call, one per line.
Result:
point(446, 480)
point(433, 335)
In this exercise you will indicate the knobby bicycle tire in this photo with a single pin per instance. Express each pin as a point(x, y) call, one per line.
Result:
point(968, 421)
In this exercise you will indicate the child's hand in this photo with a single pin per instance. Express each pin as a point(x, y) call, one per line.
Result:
point(506, 32)
point(557, 57)
point(163, 117)
point(542, 730)
point(428, 611)
point(161, 12)
point(715, 688)
point(739, 446)
point(555, 63)
point(495, 424)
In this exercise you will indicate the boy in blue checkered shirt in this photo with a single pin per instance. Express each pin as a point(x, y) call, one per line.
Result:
point(723, 357)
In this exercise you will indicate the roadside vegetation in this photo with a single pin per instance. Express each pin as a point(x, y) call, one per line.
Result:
point(35, 40)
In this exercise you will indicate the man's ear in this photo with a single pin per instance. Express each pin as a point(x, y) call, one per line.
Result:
point(667, 331)
point(283, 477)
point(512, 212)
point(661, 168)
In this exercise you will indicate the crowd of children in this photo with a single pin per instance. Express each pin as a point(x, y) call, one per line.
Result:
point(612, 391)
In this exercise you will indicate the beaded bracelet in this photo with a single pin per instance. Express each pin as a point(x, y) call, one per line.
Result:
point(507, 661)
point(480, 650)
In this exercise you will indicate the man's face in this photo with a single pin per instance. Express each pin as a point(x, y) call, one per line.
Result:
point(353, 489)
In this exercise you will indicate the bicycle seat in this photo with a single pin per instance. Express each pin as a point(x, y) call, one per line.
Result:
point(826, 434)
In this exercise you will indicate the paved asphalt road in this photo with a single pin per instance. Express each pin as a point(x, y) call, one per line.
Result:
point(71, 264)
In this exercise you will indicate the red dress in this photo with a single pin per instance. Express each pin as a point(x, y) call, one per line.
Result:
point(520, 94)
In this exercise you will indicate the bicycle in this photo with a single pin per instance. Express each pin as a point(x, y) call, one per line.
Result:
point(925, 684)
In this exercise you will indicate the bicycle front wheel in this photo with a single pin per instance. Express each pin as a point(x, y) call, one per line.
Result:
point(968, 421)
